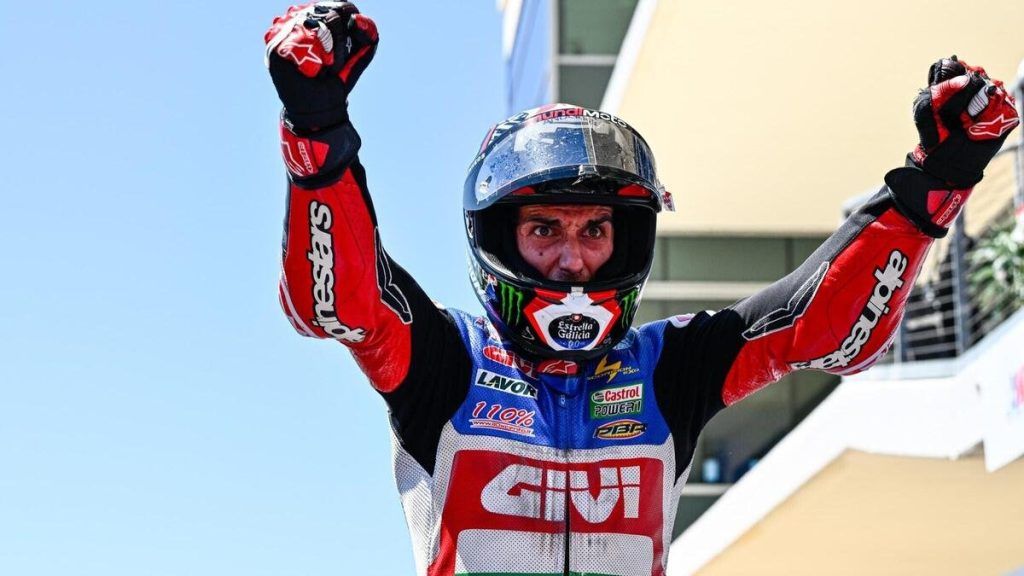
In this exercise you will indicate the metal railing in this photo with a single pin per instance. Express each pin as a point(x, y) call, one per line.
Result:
point(946, 312)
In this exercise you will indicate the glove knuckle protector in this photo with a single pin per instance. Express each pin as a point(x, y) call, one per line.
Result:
point(314, 59)
point(962, 118)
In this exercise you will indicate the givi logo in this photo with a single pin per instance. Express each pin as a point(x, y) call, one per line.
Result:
point(493, 494)
point(519, 490)
point(506, 491)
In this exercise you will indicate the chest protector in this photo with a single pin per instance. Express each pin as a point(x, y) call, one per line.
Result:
point(548, 467)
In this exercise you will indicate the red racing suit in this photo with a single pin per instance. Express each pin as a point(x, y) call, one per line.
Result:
point(513, 464)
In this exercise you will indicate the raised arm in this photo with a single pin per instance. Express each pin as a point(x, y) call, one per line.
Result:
point(336, 280)
point(839, 310)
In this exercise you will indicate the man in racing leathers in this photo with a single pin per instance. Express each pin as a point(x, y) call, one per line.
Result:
point(550, 436)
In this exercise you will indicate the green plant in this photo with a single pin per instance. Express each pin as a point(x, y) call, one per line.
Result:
point(997, 268)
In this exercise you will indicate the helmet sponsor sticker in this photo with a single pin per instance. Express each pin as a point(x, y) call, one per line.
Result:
point(511, 302)
point(887, 282)
point(489, 379)
point(618, 401)
point(629, 304)
point(506, 419)
point(574, 320)
point(620, 430)
point(574, 331)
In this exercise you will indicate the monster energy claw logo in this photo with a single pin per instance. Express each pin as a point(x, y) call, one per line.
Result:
point(511, 303)
point(628, 305)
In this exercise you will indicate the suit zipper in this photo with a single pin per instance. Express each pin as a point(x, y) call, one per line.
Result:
point(566, 430)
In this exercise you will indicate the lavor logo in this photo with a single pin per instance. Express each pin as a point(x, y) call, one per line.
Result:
point(617, 401)
point(620, 430)
point(505, 384)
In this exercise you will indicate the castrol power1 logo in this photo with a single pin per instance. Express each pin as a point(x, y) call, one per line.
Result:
point(617, 401)
point(887, 281)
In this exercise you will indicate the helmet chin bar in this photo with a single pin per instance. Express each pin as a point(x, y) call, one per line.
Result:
point(571, 324)
point(572, 321)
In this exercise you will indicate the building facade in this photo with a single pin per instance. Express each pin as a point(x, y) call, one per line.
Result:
point(766, 118)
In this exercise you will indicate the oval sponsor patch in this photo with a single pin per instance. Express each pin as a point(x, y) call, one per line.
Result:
point(574, 331)
point(620, 430)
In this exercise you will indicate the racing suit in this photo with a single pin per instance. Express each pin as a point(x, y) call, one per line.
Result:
point(513, 464)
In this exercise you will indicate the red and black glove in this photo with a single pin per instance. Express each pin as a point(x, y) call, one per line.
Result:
point(315, 54)
point(962, 117)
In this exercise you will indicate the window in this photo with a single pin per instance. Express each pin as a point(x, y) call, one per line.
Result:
point(593, 26)
point(590, 34)
point(583, 85)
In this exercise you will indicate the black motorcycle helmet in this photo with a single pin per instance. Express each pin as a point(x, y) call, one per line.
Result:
point(561, 154)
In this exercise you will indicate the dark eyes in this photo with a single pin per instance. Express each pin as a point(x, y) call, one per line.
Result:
point(545, 231)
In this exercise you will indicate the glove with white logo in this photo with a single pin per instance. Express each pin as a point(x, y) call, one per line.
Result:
point(962, 117)
point(315, 54)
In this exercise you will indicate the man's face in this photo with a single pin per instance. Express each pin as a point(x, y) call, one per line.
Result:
point(565, 242)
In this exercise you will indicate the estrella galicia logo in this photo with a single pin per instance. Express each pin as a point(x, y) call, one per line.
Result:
point(782, 318)
point(574, 331)
point(620, 430)
point(489, 379)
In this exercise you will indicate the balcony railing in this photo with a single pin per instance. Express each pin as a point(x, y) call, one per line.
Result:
point(947, 312)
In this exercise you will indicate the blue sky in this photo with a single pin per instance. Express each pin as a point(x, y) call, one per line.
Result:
point(158, 415)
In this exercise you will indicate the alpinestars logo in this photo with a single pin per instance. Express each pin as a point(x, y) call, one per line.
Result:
point(994, 128)
point(534, 492)
point(321, 255)
point(888, 281)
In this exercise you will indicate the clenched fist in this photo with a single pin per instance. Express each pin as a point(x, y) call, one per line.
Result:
point(962, 118)
point(315, 54)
